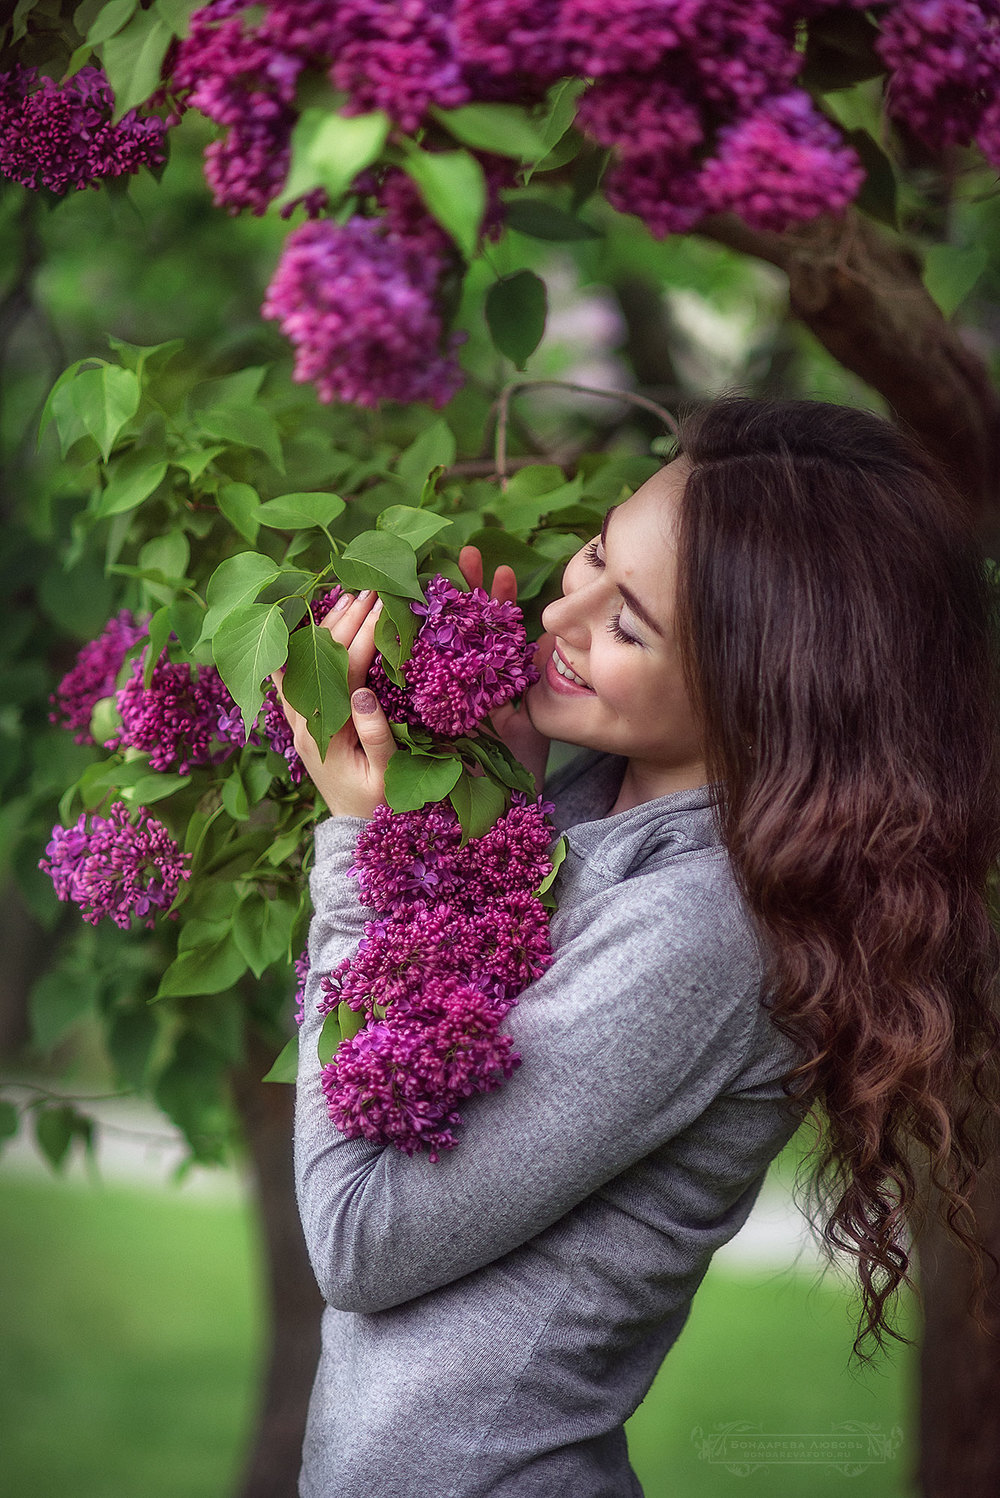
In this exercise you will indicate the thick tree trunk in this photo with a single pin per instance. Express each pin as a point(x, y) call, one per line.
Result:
point(959, 1364)
point(860, 292)
point(294, 1302)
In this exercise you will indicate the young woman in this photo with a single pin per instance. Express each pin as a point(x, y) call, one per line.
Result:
point(778, 654)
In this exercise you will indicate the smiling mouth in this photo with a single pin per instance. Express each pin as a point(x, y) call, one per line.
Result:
point(566, 671)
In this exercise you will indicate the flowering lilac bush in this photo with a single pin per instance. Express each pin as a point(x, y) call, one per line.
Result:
point(61, 136)
point(116, 868)
point(470, 655)
point(459, 933)
point(94, 675)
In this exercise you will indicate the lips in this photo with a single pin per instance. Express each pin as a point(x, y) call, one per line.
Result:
point(564, 684)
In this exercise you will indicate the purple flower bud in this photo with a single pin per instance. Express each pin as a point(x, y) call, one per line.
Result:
point(111, 866)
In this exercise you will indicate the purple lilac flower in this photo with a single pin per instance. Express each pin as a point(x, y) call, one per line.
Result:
point(398, 953)
point(743, 51)
point(668, 195)
point(61, 136)
point(301, 965)
point(94, 675)
point(515, 39)
point(360, 308)
point(943, 57)
point(643, 116)
point(397, 55)
point(180, 719)
point(623, 36)
point(403, 856)
point(470, 656)
point(111, 866)
point(781, 165)
point(399, 1080)
point(512, 857)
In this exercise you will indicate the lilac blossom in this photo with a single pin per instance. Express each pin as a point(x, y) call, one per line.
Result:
point(60, 136)
point(781, 165)
point(184, 717)
point(667, 194)
point(360, 308)
point(624, 36)
point(94, 675)
point(397, 55)
point(943, 57)
point(643, 116)
point(515, 39)
point(400, 1079)
point(404, 856)
point(470, 655)
point(301, 966)
point(111, 866)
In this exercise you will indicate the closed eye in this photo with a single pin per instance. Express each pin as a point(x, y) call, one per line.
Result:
point(614, 625)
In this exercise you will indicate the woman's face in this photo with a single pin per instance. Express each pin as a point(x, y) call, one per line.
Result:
point(613, 628)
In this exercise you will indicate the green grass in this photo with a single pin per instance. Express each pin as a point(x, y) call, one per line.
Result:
point(132, 1334)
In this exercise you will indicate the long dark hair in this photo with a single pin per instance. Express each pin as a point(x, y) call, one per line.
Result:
point(837, 626)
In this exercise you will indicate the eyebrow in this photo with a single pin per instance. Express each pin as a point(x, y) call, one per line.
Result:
point(629, 597)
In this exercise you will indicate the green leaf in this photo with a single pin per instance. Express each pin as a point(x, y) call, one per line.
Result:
point(8, 1120)
point(411, 780)
point(951, 273)
point(97, 403)
point(167, 555)
point(55, 1130)
point(138, 356)
point(315, 682)
point(186, 616)
point(133, 59)
point(286, 1067)
point(329, 1037)
point(415, 526)
point(525, 514)
point(208, 968)
point(453, 187)
point(380, 560)
point(329, 150)
point(248, 645)
point(131, 1035)
point(240, 504)
point(541, 220)
point(47, 409)
point(110, 18)
point(879, 192)
point(235, 582)
point(478, 802)
point(178, 13)
point(160, 630)
point(262, 930)
point(131, 479)
point(234, 798)
point(351, 1021)
point(434, 448)
point(254, 428)
point(395, 631)
point(190, 1091)
point(152, 788)
point(498, 548)
point(504, 129)
point(497, 759)
point(558, 856)
point(291, 512)
point(562, 110)
point(196, 460)
point(516, 308)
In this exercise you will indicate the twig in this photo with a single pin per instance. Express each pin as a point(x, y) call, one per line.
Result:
point(507, 394)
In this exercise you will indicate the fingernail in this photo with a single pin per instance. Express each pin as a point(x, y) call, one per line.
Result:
point(377, 608)
point(364, 701)
point(365, 593)
point(342, 602)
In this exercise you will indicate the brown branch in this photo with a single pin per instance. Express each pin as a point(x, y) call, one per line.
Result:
point(509, 391)
point(859, 291)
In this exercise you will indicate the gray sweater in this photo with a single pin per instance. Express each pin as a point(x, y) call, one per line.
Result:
point(494, 1318)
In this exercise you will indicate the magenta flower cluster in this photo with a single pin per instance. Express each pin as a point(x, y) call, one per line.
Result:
point(470, 655)
point(60, 136)
point(458, 934)
point(186, 716)
point(944, 61)
point(359, 306)
point(116, 868)
point(94, 675)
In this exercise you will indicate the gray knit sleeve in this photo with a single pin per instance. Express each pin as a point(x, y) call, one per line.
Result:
point(644, 1017)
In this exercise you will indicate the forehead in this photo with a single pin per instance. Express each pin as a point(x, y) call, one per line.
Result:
point(641, 538)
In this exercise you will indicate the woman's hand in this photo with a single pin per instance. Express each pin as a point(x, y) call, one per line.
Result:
point(513, 725)
point(351, 775)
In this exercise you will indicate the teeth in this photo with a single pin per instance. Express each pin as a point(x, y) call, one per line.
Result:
point(564, 670)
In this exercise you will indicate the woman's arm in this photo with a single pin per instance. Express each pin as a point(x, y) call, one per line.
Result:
point(643, 1018)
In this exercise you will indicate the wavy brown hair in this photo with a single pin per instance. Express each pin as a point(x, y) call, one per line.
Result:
point(838, 629)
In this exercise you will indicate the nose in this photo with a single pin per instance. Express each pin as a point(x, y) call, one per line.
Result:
point(567, 616)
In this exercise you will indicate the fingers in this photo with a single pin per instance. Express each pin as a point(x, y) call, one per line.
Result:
point(373, 730)
point(352, 622)
point(470, 564)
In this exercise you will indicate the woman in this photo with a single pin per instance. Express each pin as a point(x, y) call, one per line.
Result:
point(778, 653)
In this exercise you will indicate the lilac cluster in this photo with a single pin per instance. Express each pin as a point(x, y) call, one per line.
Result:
point(470, 655)
point(61, 136)
point(94, 675)
point(111, 866)
point(301, 966)
point(184, 717)
point(458, 934)
point(944, 78)
point(360, 308)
